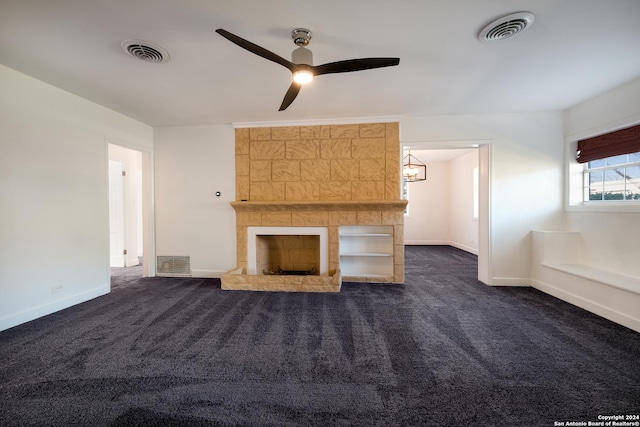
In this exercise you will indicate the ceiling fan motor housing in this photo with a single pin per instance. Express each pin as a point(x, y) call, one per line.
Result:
point(301, 36)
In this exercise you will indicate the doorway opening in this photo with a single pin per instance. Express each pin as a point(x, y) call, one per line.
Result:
point(129, 214)
point(452, 206)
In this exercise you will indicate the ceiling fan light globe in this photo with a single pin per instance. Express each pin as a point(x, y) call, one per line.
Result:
point(302, 77)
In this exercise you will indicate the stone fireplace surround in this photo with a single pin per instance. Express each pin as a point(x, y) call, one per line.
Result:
point(327, 176)
point(331, 215)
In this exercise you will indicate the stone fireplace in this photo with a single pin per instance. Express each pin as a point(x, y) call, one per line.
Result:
point(333, 178)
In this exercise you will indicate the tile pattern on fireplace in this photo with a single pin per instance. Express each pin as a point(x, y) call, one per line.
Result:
point(333, 162)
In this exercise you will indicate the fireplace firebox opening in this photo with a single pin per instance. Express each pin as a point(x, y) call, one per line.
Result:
point(296, 255)
point(287, 251)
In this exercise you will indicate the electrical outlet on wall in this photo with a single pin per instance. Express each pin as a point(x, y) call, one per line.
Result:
point(57, 288)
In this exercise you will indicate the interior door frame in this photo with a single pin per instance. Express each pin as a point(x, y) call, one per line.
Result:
point(485, 269)
point(148, 211)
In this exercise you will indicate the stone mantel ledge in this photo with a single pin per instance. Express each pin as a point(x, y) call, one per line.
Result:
point(351, 205)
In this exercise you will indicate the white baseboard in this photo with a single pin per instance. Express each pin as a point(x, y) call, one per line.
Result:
point(23, 316)
point(426, 242)
point(208, 274)
point(511, 281)
point(465, 248)
point(594, 307)
point(441, 243)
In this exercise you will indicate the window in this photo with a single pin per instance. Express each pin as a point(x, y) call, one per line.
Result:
point(613, 178)
point(611, 166)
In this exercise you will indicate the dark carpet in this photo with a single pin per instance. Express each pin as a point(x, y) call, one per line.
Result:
point(441, 350)
point(126, 276)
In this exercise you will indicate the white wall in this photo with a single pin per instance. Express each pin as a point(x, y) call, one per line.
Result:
point(53, 188)
point(609, 239)
point(191, 164)
point(526, 176)
point(463, 228)
point(429, 208)
point(611, 110)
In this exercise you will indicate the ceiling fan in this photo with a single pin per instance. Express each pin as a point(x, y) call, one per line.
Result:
point(301, 64)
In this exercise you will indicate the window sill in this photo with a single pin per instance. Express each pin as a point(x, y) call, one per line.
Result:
point(613, 207)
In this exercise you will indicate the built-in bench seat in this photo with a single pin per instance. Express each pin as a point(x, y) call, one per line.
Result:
point(557, 269)
point(620, 281)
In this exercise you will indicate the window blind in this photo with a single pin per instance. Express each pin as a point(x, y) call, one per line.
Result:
point(623, 141)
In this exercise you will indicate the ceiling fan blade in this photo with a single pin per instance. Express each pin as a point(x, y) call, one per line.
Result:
point(355, 65)
point(291, 94)
point(254, 48)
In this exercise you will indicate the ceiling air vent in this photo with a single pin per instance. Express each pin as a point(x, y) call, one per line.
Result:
point(146, 51)
point(506, 27)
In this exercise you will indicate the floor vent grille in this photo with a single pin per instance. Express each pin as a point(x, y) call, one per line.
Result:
point(174, 266)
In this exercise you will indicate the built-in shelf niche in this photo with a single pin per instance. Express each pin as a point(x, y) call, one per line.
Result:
point(367, 251)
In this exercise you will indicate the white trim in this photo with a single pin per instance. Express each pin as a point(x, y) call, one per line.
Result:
point(107, 231)
point(602, 207)
point(443, 144)
point(149, 243)
point(427, 242)
point(464, 248)
point(128, 144)
point(609, 278)
point(441, 243)
point(317, 122)
point(601, 310)
point(511, 281)
point(254, 232)
point(485, 243)
point(208, 274)
point(33, 313)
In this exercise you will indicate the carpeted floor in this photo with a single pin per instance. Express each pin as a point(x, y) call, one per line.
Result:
point(441, 350)
point(125, 276)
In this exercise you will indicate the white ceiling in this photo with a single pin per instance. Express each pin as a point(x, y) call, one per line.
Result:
point(575, 49)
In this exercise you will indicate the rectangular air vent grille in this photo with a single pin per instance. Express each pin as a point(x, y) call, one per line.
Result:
point(174, 266)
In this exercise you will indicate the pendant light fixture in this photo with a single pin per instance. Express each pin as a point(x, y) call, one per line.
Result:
point(413, 169)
